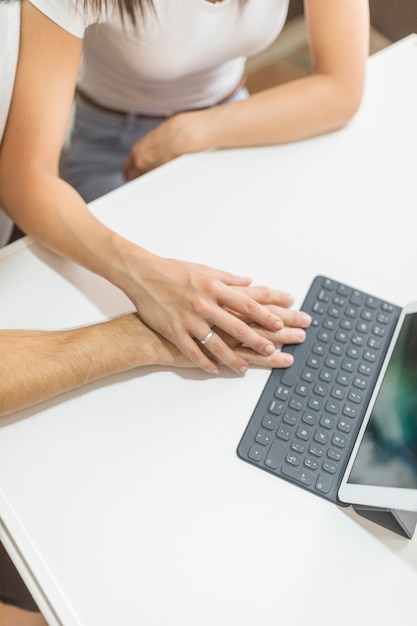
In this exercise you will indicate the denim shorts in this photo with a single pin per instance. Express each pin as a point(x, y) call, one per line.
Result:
point(100, 141)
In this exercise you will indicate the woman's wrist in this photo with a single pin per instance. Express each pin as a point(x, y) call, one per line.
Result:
point(125, 263)
point(197, 130)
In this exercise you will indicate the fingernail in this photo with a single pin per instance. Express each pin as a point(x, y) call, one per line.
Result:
point(307, 319)
point(243, 369)
point(287, 359)
point(269, 349)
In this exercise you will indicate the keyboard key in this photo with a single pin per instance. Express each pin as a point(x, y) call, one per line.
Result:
point(284, 433)
point(334, 453)
point(275, 455)
point(359, 382)
point(296, 405)
point(290, 374)
point(310, 418)
point(307, 375)
point(290, 418)
point(321, 390)
point(351, 311)
point(310, 462)
point(300, 475)
point(270, 422)
point(326, 375)
point(382, 318)
point(344, 425)
point(349, 410)
point(315, 403)
point(321, 437)
point(297, 446)
point(343, 379)
point(332, 406)
point(339, 440)
point(369, 355)
point(263, 437)
point(293, 459)
point(355, 396)
point(302, 389)
point(275, 407)
point(379, 331)
point(323, 296)
point(316, 450)
point(324, 483)
point(372, 302)
point(356, 298)
point(257, 453)
point(327, 422)
point(330, 467)
point(282, 393)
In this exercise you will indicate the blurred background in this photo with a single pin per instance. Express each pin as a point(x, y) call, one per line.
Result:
point(288, 57)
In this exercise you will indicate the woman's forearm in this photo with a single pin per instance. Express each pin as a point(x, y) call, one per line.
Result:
point(303, 108)
point(338, 35)
point(51, 212)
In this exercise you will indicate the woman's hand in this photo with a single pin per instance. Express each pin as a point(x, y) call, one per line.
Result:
point(183, 302)
point(175, 136)
point(156, 350)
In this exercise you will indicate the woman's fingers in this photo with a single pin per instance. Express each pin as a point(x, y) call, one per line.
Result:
point(237, 356)
point(278, 303)
point(247, 306)
point(245, 334)
point(266, 295)
point(227, 350)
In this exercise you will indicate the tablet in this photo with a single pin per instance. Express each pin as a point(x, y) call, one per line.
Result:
point(382, 469)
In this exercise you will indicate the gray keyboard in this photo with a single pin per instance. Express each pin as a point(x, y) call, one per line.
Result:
point(306, 420)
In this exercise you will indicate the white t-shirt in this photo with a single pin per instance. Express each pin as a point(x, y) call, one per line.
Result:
point(188, 54)
point(9, 52)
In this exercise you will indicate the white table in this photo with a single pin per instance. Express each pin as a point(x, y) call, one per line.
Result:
point(125, 502)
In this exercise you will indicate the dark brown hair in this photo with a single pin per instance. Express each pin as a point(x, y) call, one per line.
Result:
point(126, 8)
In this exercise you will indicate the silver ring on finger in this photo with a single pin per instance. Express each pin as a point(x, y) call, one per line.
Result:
point(207, 338)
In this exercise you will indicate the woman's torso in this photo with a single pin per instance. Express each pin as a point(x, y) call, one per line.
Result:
point(189, 54)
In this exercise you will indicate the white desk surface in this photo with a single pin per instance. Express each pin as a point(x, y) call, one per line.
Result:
point(125, 502)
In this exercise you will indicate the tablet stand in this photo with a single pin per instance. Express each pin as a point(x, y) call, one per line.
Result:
point(401, 522)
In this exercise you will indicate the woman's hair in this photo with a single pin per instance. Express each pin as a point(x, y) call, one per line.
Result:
point(126, 8)
point(129, 8)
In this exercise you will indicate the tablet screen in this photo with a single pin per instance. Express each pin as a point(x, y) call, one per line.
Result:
point(387, 455)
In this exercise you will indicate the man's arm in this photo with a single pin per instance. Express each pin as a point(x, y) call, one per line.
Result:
point(37, 365)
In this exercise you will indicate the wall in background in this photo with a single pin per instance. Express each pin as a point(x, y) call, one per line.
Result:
point(393, 18)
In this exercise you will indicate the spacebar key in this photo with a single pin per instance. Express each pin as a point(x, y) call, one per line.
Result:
point(275, 454)
point(291, 374)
